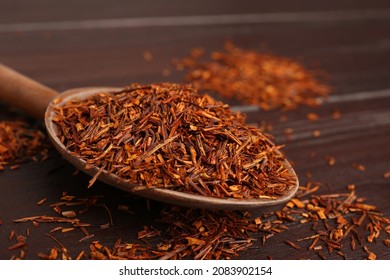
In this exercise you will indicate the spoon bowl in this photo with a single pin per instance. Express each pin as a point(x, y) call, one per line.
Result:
point(40, 101)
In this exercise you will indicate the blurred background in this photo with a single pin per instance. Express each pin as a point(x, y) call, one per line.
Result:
point(105, 40)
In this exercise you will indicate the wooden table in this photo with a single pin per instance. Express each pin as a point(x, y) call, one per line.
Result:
point(98, 43)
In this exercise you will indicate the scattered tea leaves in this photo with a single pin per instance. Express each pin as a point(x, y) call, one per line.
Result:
point(20, 142)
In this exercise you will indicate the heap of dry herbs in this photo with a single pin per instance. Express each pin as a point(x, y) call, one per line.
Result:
point(168, 135)
point(19, 143)
point(254, 78)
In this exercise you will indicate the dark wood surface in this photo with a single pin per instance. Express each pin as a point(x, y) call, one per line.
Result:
point(82, 43)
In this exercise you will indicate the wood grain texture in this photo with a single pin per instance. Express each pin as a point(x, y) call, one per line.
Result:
point(354, 52)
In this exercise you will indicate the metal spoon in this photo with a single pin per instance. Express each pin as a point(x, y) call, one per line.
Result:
point(38, 101)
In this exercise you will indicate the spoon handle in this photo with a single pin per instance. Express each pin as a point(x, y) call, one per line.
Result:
point(24, 93)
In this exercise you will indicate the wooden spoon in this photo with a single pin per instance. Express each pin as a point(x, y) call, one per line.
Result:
point(38, 101)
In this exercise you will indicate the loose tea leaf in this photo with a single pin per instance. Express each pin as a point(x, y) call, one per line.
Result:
point(168, 135)
point(292, 244)
point(312, 116)
point(386, 175)
point(147, 55)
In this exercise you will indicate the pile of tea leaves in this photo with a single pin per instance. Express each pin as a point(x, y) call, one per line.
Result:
point(252, 77)
point(168, 135)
